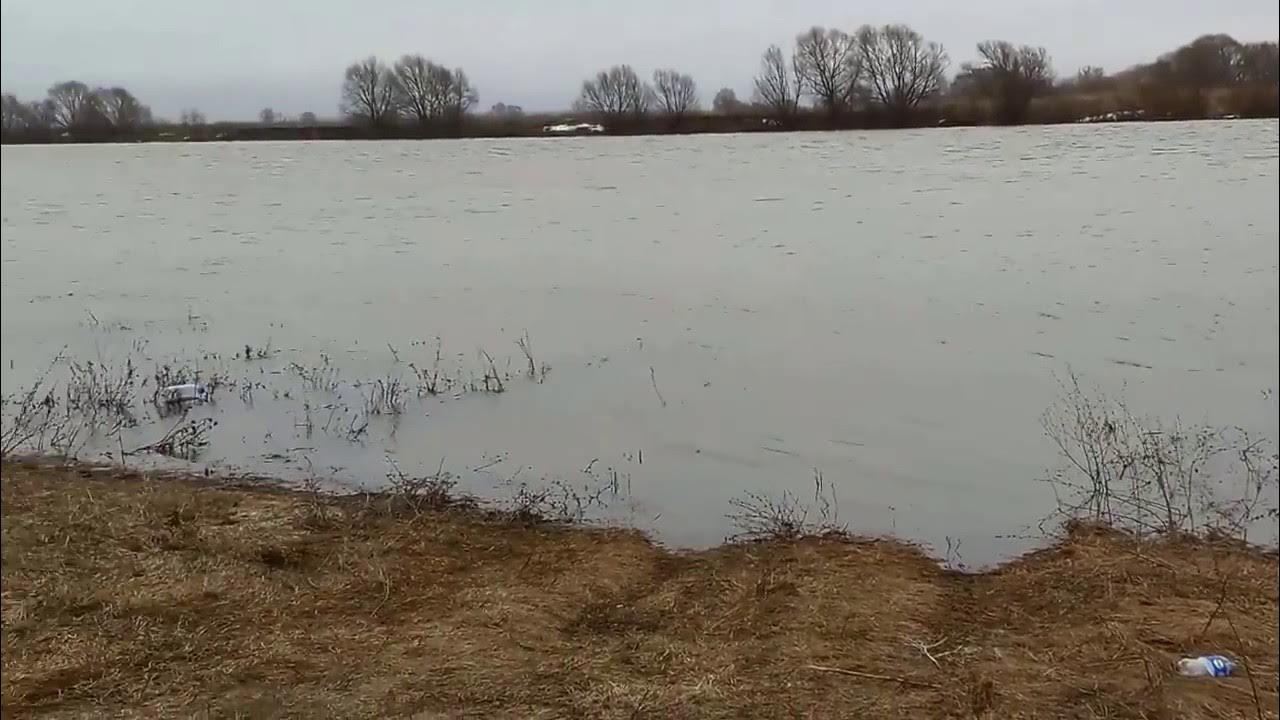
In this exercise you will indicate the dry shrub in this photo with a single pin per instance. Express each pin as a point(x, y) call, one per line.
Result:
point(757, 517)
point(1147, 476)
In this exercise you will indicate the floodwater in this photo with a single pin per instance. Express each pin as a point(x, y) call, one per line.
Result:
point(722, 314)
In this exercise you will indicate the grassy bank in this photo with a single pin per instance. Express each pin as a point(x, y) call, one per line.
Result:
point(148, 597)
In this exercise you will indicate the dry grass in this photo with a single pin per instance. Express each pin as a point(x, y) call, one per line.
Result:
point(134, 597)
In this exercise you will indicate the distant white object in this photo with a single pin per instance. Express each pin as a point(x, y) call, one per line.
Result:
point(188, 392)
point(1206, 666)
point(574, 129)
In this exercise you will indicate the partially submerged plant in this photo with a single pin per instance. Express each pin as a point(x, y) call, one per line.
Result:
point(1147, 476)
point(759, 517)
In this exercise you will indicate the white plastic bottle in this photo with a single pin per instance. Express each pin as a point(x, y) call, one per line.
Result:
point(1206, 666)
point(189, 392)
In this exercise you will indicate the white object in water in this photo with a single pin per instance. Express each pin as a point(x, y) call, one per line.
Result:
point(1206, 666)
point(187, 392)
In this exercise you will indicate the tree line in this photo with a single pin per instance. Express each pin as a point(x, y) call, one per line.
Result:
point(888, 75)
point(73, 105)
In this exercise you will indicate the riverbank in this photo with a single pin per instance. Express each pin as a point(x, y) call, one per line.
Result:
point(131, 596)
point(1051, 110)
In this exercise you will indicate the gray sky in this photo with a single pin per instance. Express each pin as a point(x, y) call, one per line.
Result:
point(233, 57)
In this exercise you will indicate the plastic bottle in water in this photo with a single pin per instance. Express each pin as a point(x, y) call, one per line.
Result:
point(188, 392)
point(1206, 666)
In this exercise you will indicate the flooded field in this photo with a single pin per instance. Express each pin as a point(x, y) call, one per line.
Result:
point(707, 316)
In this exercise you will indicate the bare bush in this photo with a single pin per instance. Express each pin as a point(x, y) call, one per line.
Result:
point(103, 396)
point(322, 378)
point(35, 421)
point(432, 381)
point(560, 501)
point(385, 396)
point(537, 372)
point(184, 441)
point(420, 494)
point(1142, 475)
point(759, 517)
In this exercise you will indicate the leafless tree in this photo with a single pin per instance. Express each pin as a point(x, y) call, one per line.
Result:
point(72, 103)
point(676, 93)
point(1010, 76)
point(192, 116)
point(828, 66)
point(14, 113)
point(307, 118)
point(430, 92)
point(121, 109)
point(267, 116)
point(370, 91)
point(1258, 63)
point(506, 111)
point(901, 69)
point(615, 93)
point(726, 101)
point(777, 88)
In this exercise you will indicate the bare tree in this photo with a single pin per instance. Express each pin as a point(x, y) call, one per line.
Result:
point(776, 87)
point(726, 101)
point(72, 103)
point(14, 113)
point(370, 91)
point(1258, 63)
point(461, 95)
point(1011, 77)
point(901, 69)
point(307, 118)
point(267, 116)
point(507, 111)
point(192, 116)
point(121, 108)
point(676, 93)
point(828, 66)
point(430, 92)
point(615, 93)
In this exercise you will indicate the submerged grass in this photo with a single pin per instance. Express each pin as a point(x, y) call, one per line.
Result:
point(131, 596)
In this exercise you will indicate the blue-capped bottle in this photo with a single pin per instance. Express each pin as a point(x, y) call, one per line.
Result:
point(1206, 666)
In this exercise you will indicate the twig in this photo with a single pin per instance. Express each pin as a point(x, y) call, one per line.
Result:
point(925, 648)
point(1222, 599)
point(654, 379)
point(1253, 685)
point(873, 676)
point(386, 589)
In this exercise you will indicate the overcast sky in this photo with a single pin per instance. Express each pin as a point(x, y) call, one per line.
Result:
point(233, 57)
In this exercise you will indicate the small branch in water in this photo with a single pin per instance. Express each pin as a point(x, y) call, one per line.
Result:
point(653, 378)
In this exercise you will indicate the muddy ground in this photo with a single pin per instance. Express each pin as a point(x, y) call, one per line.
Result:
point(128, 596)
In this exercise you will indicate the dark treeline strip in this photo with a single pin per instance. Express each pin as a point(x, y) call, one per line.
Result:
point(874, 77)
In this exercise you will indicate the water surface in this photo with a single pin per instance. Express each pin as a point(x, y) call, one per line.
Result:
point(722, 314)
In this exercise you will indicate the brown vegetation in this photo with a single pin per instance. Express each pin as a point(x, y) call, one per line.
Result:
point(131, 596)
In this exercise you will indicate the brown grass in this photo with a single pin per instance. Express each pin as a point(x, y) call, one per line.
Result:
point(134, 597)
